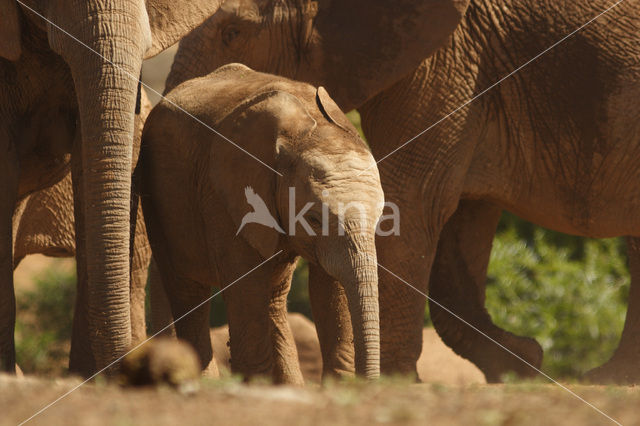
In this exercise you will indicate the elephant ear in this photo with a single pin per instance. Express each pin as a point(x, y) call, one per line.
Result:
point(10, 44)
point(387, 41)
point(332, 111)
point(267, 126)
point(170, 20)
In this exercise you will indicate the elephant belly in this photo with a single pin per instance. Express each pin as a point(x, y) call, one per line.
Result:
point(40, 173)
point(587, 221)
point(572, 166)
point(597, 202)
point(44, 148)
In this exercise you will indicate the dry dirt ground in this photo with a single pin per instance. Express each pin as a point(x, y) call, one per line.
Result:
point(229, 402)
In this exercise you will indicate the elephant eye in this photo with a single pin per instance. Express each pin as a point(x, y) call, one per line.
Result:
point(229, 34)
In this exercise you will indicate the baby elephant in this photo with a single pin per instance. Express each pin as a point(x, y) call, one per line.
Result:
point(284, 174)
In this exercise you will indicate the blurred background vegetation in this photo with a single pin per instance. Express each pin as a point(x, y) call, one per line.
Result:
point(44, 319)
point(569, 293)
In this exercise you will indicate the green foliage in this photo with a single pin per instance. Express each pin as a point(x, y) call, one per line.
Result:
point(354, 117)
point(298, 300)
point(569, 293)
point(43, 325)
point(218, 314)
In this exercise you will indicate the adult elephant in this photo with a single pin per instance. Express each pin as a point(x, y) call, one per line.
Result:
point(358, 50)
point(548, 127)
point(69, 71)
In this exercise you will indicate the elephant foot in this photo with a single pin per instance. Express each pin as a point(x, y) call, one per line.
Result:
point(288, 377)
point(404, 369)
point(338, 367)
point(495, 361)
point(329, 374)
point(618, 370)
point(501, 354)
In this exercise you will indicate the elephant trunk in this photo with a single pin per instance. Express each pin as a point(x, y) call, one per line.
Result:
point(362, 295)
point(358, 273)
point(106, 88)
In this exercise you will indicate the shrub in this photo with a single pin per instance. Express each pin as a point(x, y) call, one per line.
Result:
point(569, 293)
point(298, 300)
point(44, 322)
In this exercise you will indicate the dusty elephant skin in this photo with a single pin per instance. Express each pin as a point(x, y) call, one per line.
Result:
point(547, 144)
point(305, 40)
point(48, 83)
point(196, 191)
point(43, 223)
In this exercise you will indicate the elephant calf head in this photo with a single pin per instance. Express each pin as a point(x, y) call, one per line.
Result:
point(283, 170)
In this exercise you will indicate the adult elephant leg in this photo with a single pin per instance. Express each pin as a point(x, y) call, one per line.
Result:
point(18, 252)
point(624, 367)
point(286, 365)
point(8, 199)
point(404, 262)
point(139, 272)
point(457, 283)
point(81, 359)
point(333, 323)
point(141, 250)
point(161, 316)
